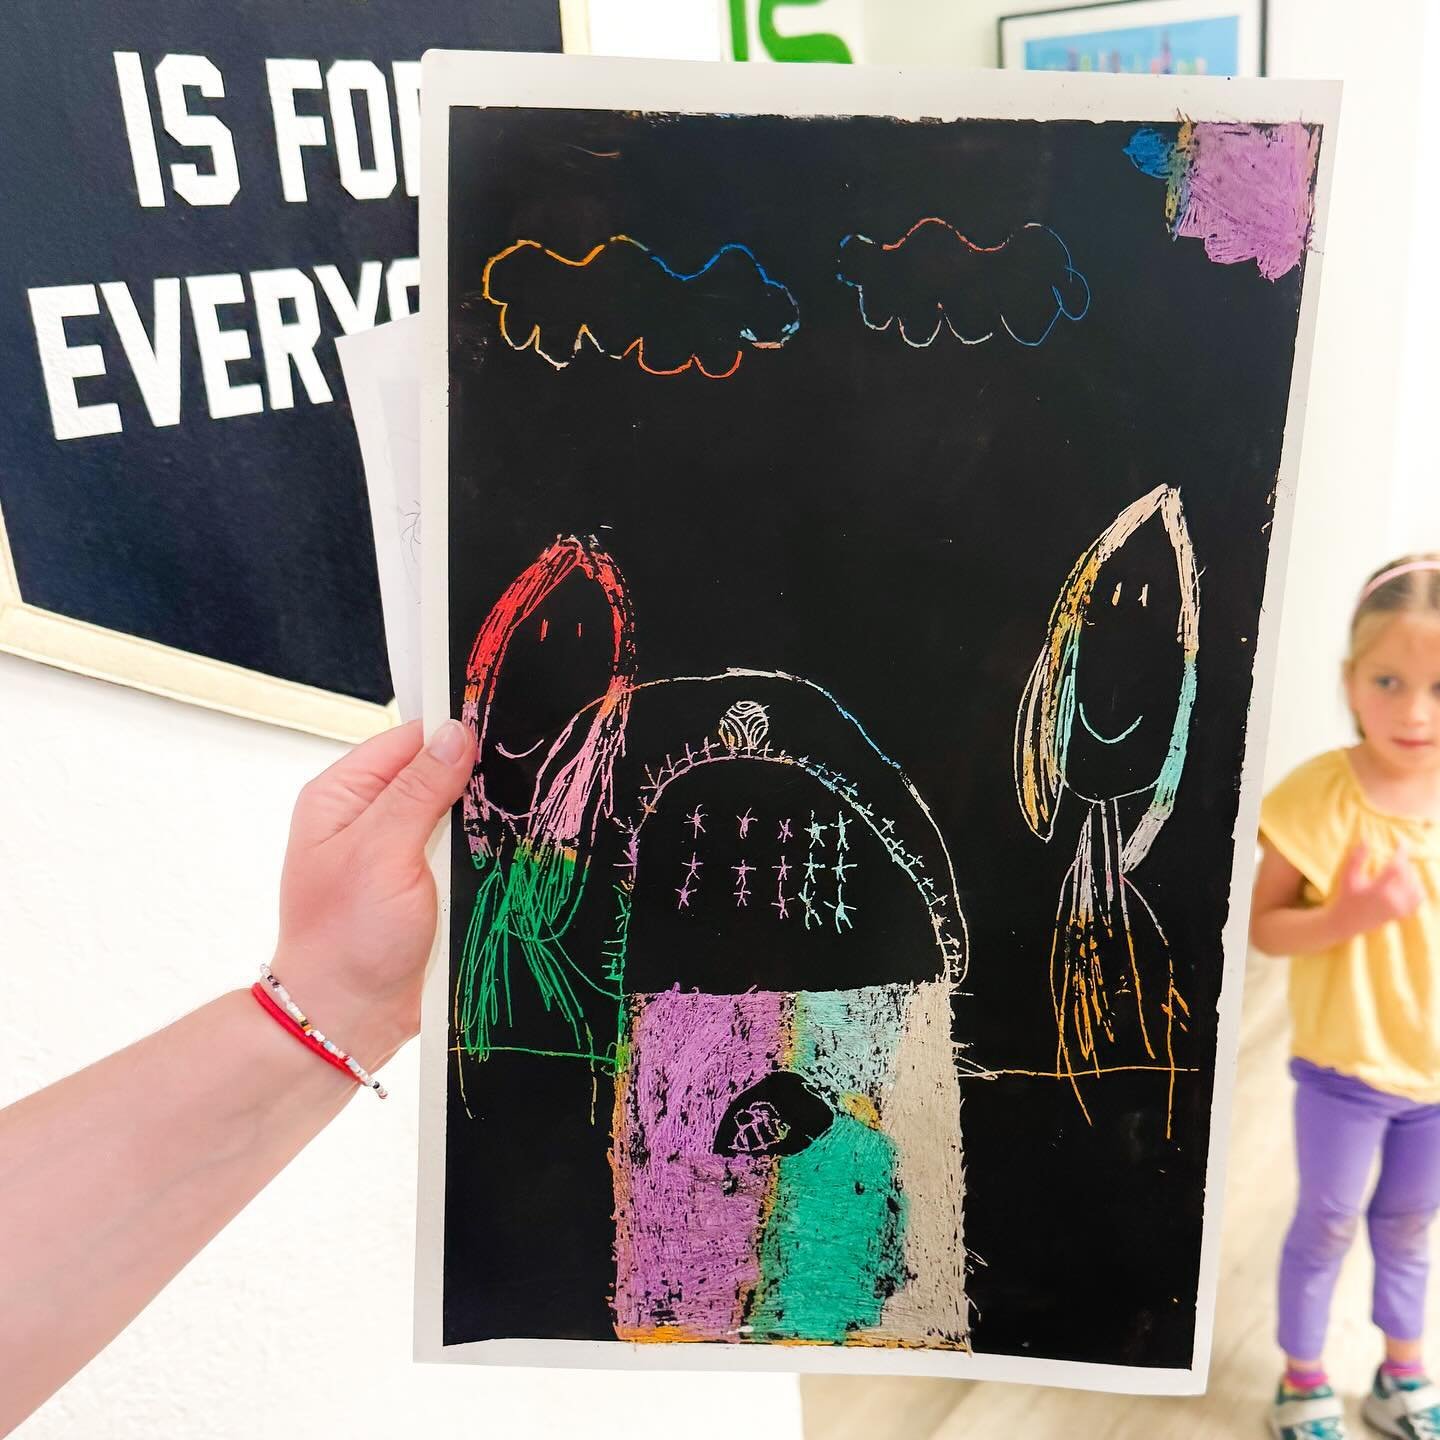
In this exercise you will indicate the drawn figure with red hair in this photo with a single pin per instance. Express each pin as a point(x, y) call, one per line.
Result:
point(547, 694)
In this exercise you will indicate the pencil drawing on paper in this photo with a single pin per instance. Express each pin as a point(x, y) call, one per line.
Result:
point(1126, 620)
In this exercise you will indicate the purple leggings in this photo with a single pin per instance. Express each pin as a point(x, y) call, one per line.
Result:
point(1340, 1124)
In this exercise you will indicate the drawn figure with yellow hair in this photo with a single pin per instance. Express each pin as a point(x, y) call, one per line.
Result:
point(1106, 716)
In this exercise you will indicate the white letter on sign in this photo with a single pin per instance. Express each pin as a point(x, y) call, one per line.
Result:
point(283, 342)
point(135, 106)
point(401, 278)
point(172, 75)
point(63, 363)
point(407, 107)
point(292, 131)
point(345, 80)
point(155, 363)
point(357, 311)
point(219, 347)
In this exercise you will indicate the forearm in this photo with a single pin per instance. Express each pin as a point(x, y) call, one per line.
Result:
point(1298, 930)
point(112, 1179)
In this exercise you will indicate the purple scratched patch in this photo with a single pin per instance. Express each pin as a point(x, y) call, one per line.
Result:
point(1248, 193)
point(687, 1219)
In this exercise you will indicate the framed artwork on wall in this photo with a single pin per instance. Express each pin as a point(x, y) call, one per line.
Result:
point(1139, 37)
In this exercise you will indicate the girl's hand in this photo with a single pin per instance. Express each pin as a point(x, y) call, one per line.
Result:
point(357, 901)
point(1362, 902)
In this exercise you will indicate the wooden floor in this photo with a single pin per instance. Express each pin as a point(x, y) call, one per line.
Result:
point(1260, 1192)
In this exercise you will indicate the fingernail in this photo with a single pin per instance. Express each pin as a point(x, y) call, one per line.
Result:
point(447, 744)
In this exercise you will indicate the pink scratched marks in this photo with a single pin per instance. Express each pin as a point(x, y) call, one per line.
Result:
point(687, 1219)
point(1248, 193)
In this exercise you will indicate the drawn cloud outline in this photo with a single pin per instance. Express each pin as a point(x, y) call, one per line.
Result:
point(941, 316)
point(636, 346)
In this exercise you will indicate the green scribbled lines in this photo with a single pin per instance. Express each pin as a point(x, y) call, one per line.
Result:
point(832, 1250)
point(523, 907)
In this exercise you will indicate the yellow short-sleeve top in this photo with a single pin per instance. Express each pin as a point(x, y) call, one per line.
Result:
point(1369, 1007)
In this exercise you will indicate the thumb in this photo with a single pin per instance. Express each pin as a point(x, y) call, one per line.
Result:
point(411, 805)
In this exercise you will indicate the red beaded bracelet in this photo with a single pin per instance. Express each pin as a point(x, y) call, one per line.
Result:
point(266, 1003)
point(275, 1000)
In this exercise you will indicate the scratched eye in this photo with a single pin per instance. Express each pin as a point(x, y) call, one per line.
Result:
point(779, 1115)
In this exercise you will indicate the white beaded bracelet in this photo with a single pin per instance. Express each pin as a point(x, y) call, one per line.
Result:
point(282, 996)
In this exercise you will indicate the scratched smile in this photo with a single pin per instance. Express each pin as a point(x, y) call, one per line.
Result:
point(1108, 739)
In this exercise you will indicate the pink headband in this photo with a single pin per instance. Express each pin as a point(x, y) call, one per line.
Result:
point(1385, 576)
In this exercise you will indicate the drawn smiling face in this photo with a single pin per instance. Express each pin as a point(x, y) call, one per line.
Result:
point(1128, 670)
point(559, 659)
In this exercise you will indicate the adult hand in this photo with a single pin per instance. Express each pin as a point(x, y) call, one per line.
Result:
point(357, 901)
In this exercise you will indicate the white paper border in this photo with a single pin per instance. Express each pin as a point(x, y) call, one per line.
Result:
point(454, 78)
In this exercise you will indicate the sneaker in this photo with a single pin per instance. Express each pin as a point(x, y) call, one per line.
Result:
point(1315, 1415)
point(1407, 1409)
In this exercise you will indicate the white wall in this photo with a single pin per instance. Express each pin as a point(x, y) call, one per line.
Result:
point(1415, 514)
point(1353, 509)
point(657, 29)
point(140, 850)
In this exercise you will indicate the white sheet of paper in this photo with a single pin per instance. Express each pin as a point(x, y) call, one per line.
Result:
point(460, 80)
point(382, 374)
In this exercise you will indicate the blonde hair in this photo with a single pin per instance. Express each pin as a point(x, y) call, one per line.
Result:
point(1047, 708)
point(1407, 586)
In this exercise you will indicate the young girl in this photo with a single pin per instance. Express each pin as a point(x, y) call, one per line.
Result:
point(1350, 886)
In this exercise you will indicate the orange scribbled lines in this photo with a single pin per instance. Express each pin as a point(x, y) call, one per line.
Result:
point(862, 1108)
point(959, 235)
point(1099, 1071)
point(584, 332)
point(868, 1340)
point(637, 348)
point(532, 340)
point(660, 1335)
point(857, 1339)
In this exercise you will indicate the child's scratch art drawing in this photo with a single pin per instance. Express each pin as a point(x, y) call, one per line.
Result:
point(743, 1118)
point(1111, 973)
point(839, 963)
point(622, 291)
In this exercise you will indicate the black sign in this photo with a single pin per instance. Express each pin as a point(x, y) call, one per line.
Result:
point(199, 198)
